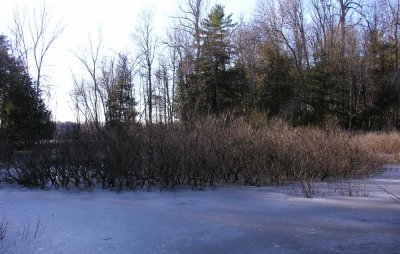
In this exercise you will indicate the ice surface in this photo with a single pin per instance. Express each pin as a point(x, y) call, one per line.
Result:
point(224, 220)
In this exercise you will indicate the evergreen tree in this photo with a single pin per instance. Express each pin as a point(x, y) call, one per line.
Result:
point(271, 80)
point(121, 103)
point(222, 83)
point(24, 118)
point(381, 112)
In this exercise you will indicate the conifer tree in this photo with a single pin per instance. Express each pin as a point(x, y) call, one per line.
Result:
point(24, 118)
point(121, 102)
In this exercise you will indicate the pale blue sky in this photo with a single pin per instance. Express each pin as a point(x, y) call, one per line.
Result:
point(117, 19)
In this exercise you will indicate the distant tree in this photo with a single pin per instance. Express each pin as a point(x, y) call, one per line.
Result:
point(164, 81)
point(87, 94)
point(185, 39)
point(120, 100)
point(146, 41)
point(221, 80)
point(24, 118)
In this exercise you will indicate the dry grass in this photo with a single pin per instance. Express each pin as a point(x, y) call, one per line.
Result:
point(384, 144)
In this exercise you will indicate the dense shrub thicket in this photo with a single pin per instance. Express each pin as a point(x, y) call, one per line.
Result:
point(206, 153)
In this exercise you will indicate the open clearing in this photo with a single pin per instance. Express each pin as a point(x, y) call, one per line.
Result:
point(224, 220)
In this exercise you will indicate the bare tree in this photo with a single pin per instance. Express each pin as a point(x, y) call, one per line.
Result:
point(248, 41)
point(185, 43)
point(146, 41)
point(296, 13)
point(174, 58)
point(394, 6)
point(33, 34)
point(87, 91)
point(283, 23)
point(164, 79)
point(345, 10)
point(190, 22)
point(324, 28)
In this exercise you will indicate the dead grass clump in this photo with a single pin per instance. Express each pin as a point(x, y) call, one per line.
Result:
point(384, 144)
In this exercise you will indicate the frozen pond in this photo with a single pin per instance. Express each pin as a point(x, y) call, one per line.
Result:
point(224, 220)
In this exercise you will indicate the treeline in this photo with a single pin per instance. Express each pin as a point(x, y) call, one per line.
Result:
point(307, 61)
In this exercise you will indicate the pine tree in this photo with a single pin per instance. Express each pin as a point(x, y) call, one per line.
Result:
point(223, 83)
point(121, 103)
point(24, 118)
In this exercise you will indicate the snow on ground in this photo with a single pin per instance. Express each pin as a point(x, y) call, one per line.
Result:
point(224, 220)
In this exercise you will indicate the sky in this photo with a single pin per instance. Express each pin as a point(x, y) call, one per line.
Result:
point(82, 19)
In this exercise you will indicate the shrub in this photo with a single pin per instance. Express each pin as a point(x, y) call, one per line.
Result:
point(385, 144)
point(205, 153)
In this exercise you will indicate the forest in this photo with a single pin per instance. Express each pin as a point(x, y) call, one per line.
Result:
point(308, 62)
point(305, 90)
